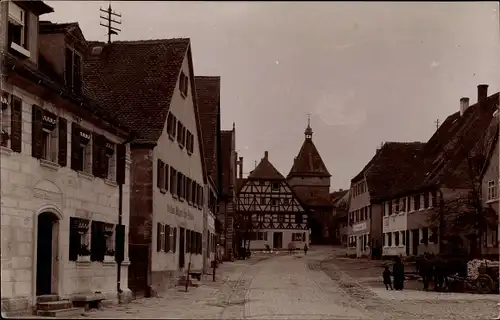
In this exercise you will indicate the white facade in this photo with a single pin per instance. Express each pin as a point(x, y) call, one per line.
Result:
point(32, 188)
point(169, 209)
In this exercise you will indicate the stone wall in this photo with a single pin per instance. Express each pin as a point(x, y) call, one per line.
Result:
point(29, 187)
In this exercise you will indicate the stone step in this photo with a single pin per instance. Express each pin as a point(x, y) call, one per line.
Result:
point(63, 313)
point(47, 298)
point(54, 305)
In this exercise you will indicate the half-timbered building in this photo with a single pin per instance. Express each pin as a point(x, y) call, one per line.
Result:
point(268, 212)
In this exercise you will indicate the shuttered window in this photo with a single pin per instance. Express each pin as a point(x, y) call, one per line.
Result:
point(166, 176)
point(180, 185)
point(63, 142)
point(167, 239)
point(173, 181)
point(80, 148)
point(159, 236)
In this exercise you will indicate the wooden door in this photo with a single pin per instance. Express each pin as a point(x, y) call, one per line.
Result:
point(138, 269)
point(278, 240)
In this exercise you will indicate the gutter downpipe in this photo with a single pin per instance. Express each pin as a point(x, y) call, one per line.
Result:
point(120, 220)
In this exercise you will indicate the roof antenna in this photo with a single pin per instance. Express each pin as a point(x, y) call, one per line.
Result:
point(255, 164)
point(108, 21)
point(437, 124)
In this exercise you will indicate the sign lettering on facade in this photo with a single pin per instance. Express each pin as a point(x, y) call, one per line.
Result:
point(180, 212)
point(359, 227)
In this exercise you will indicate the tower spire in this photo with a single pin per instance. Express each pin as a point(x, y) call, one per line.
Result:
point(308, 133)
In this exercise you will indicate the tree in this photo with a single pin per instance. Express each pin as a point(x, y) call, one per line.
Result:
point(244, 229)
point(464, 214)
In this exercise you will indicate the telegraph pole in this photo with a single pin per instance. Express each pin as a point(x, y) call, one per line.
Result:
point(108, 21)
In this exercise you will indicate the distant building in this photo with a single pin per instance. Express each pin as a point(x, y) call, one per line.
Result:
point(368, 188)
point(310, 180)
point(268, 212)
point(340, 210)
point(229, 181)
point(440, 184)
point(208, 97)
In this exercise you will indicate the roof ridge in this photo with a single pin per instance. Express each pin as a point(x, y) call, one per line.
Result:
point(146, 41)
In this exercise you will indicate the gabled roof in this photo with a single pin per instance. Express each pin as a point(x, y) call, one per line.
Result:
point(135, 80)
point(265, 171)
point(208, 96)
point(444, 158)
point(390, 167)
point(308, 162)
point(337, 195)
point(493, 131)
point(48, 27)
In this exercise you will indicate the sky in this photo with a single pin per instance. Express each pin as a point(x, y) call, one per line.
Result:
point(366, 72)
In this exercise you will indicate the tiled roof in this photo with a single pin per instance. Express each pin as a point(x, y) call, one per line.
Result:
point(265, 171)
point(337, 195)
point(226, 141)
point(135, 80)
point(208, 96)
point(444, 158)
point(46, 76)
point(390, 167)
point(308, 162)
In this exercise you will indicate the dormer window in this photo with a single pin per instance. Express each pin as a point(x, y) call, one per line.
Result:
point(18, 29)
point(73, 70)
point(183, 84)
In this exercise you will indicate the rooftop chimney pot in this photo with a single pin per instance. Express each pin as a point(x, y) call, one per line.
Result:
point(482, 92)
point(464, 105)
point(240, 164)
point(266, 154)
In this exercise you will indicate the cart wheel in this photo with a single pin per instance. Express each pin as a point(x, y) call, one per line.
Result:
point(484, 284)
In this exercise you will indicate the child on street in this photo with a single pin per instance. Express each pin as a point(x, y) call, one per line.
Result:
point(387, 278)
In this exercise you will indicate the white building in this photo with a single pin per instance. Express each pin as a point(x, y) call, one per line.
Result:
point(61, 167)
point(268, 212)
point(168, 175)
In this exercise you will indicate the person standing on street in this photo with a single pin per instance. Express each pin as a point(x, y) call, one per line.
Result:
point(305, 249)
point(398, 273)
point(387, 278)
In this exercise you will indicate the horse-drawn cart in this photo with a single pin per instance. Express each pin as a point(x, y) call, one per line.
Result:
point(482, 277)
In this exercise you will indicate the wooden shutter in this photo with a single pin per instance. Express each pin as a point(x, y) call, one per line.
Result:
point(166, 176)
point(158, 237)
point(174, 240)
point(188, 240)
point(36, 132)
point(96, 154)
point(120, 166)
point(69, 68)
point(166, 237)
point(172, 180)
point(63, 142)
point(16, 124)
point(75, 145)
point(74, 239)
point(119, 242)
point(159, 173)
point(77, 73)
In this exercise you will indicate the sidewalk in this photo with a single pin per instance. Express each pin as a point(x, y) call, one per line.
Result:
point(209, 300)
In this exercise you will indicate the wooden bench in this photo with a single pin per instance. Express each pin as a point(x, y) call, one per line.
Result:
point(88, 301)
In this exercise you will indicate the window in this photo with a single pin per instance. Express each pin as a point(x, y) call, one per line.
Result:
point(434, 235)
point(78, 238)
point(180, 138)
point(425, 235)
point(492, 190)
point(183, 84)
point(297, 237)
point(180, 185)
point(44, 134)
point(389, 239)
point(403, 238)
point(97, 241)
point(110, 160)
point(402, 206)
point(416, 200)
point(173, 181)
point(184, 135)
point(395, 206)
point(384, 241)
point(281, 218)
point(17, 27)
point(434, 198)
point(188, 190)
point(160, 237)
point(262, 236)
point(274, 201)
point(81, 151)
point(286, 201)
point(396, 239)
point(275, 186)
point(426, 200)
point(262, 200)
point(73, 70)
point(299, 218)
point(194, 192)
point(189, 142)
point(171, 126)
point(174, 238)
point(160, 174)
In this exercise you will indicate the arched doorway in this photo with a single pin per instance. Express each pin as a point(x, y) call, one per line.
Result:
point(47, 253)
point(316, 229)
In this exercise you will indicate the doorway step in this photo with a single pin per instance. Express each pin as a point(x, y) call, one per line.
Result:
point(53, 306)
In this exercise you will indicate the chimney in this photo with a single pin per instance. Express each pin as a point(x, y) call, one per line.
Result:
point(266, 154)
point(482, 92)
point(240, 164)
point(341, 190)
point(464, 104)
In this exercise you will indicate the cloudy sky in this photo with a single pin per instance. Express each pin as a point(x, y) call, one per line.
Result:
point(367, 72)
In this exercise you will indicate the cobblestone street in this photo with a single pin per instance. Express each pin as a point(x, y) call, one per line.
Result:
point(299, 287)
